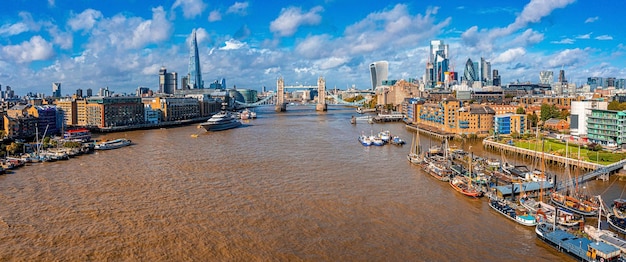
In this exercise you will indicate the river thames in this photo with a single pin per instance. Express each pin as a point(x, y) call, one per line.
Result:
point(293, 186)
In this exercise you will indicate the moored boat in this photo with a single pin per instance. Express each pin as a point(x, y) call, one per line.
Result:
point(606, 236)
point(547, 212)
point(113, 144)
point(463, 186)
point(522, 217)
point(438, 170)
point(396, 140)
point(377, 141)
point(619, 207)
point(619, 224)
point(365, 140)
point(385, 135)
point(583, 249)
point(579, 206)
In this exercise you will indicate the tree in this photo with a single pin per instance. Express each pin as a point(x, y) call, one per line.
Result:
point(564, 114)
point(520, 110)
point(549, 111)
point(533, 119)
point(613, 105)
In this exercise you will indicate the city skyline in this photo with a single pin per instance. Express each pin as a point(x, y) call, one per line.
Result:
point(123, 45)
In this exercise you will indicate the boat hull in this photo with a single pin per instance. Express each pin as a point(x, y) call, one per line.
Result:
point(114, 144)
point(619, 224)
point(464, 191)
point(510, 213)
point(220, 127)
point(573, 205)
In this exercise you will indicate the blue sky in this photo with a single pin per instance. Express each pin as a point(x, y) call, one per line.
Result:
point(122, 44)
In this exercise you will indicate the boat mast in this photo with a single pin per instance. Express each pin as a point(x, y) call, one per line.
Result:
point(599, 211)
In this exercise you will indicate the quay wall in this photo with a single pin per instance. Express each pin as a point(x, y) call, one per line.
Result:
point(148, 126)
point(549, 158)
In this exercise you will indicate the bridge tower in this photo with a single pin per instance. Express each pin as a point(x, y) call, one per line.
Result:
point(281, 106)
point(321, 95)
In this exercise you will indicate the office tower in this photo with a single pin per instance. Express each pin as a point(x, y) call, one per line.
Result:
point(79, 93)
point(184, 82)
point(562, 76)
point(496, 78)
point(89, 92)
point(438, 63)
point(378, 72)
point(546, 77)
point(168, 82)
point(194, 78)
point(485, 71)
point(470, 72)
point(223, 82)
point(56, 89)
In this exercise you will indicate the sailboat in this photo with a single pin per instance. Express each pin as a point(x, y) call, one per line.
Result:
point(547, 212)
point(463, 184)
point(414, 155)
point(606, 236)
point(578, 203)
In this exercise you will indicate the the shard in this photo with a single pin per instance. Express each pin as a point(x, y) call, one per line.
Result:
point(195, 74)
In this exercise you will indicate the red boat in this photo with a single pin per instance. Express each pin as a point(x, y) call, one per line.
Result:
point(461, 185)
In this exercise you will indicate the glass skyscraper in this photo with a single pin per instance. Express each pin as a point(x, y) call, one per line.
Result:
point(470, 72)
point(194, 78)
point(378, 72)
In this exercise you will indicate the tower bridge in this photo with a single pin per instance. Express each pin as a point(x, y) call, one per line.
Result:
point(321, 105)
point(278, 98)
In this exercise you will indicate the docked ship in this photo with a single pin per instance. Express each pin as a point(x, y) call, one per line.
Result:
point(581, 248)
point(221, 121)
point(113, 144)
point(522, 217)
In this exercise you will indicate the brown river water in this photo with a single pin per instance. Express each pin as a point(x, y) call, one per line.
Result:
point(294, 186)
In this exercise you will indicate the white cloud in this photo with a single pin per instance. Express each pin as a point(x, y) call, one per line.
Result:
point(535, 10)
point(233, 45)
point(64, 40)
point(592, 19)
point(215, 15)
point(314, 46)
point(567, 41)
point(390, 29)
point(35, 49)
point(51, 3)
point(585, 36)
point(485, 41)
point(191, 8)
point(291, 18)
point(85, 20)
point(122, 33)
point(604, 37)
point(510, 55)
point(240, 8)
point(331, 62)
point(567, 57)
point(13, 29)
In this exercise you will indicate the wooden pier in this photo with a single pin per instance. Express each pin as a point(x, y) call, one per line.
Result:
point(427, 131)
point(549, 158)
